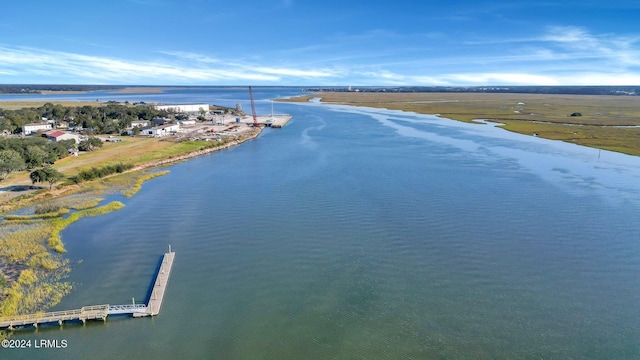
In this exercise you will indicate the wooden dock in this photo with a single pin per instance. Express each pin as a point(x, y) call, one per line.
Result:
point(157, 294)
point(100, 312)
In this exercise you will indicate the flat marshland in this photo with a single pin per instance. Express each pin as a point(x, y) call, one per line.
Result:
point(604, 122)
point(15, 105)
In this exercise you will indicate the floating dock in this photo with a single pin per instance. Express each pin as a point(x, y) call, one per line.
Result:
point(100, 312)
point(157, 294)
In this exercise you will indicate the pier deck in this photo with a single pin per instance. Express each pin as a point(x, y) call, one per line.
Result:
point(100, 312)
point(278, 121)
point(157, 294)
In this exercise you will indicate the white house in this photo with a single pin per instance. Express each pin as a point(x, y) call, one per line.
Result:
point(186, 108)
point(29, 129)
point(162, 130)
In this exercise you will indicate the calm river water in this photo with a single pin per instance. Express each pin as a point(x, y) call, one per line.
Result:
point(358, 233)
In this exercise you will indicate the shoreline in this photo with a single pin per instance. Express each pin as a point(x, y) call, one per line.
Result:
point(597, 121)
point(11, 271)
point(195, 153)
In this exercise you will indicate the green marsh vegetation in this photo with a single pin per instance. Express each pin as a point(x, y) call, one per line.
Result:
point(31, 247)
point(32, 275)
point(138, 184)
point(599, 121)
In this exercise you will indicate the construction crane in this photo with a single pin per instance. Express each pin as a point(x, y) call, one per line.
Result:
point(253, 108)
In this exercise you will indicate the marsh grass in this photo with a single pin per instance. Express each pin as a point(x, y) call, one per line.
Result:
point(34, 291)
point(549, 116)
point(39, 285)
point(45, 261)
point(87, 204)
point(50, 215)
point(46, 208)
point(20, 241)
point(57, 225)
point(138, 184)
point(27, 277)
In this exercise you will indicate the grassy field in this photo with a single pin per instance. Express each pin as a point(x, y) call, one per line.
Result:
point(131, 150)
point(15, 105)
point(604, 122)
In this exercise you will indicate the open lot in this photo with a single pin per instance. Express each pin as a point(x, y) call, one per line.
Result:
point(604, 122)
point(139, 151)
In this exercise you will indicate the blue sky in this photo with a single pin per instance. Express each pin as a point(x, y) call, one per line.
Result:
point(295, 42)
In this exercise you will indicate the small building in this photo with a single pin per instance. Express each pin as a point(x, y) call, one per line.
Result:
point(186, 122)
point(29, 129)
point(140, 123)
point(58, 135)
point(162, 130)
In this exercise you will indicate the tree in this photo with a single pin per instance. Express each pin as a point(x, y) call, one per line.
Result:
point(89, 144)
point(35, 156)
point(10, 161)
point(46, 174)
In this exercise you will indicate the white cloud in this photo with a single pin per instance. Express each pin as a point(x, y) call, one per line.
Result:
point(501, 78)
point(318, 73)
point(181, 67)
point(560, 56)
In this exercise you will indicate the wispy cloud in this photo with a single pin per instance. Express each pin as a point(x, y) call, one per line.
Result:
point(559, 55)
point(180, 67)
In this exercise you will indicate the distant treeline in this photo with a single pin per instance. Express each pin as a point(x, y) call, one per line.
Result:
point(31, 88)
point(565, 90)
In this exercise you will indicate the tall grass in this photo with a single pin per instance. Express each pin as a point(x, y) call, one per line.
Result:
point(58, 213)
point(46, 208)
point(138, 185)
point(87, 204)
point(18, 246)
point(44, 261)
point(57, 225)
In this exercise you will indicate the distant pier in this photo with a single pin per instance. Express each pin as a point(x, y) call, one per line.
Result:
point(278, 121)
point(100, 312)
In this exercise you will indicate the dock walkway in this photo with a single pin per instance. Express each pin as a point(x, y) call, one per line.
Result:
point(157, 294)
point(100, 312)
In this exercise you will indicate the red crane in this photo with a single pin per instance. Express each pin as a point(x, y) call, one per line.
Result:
point(253, 108)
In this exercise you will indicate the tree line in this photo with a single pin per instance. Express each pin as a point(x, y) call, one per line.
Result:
point(37, 89)
point(108, 118)
point(30, 153)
